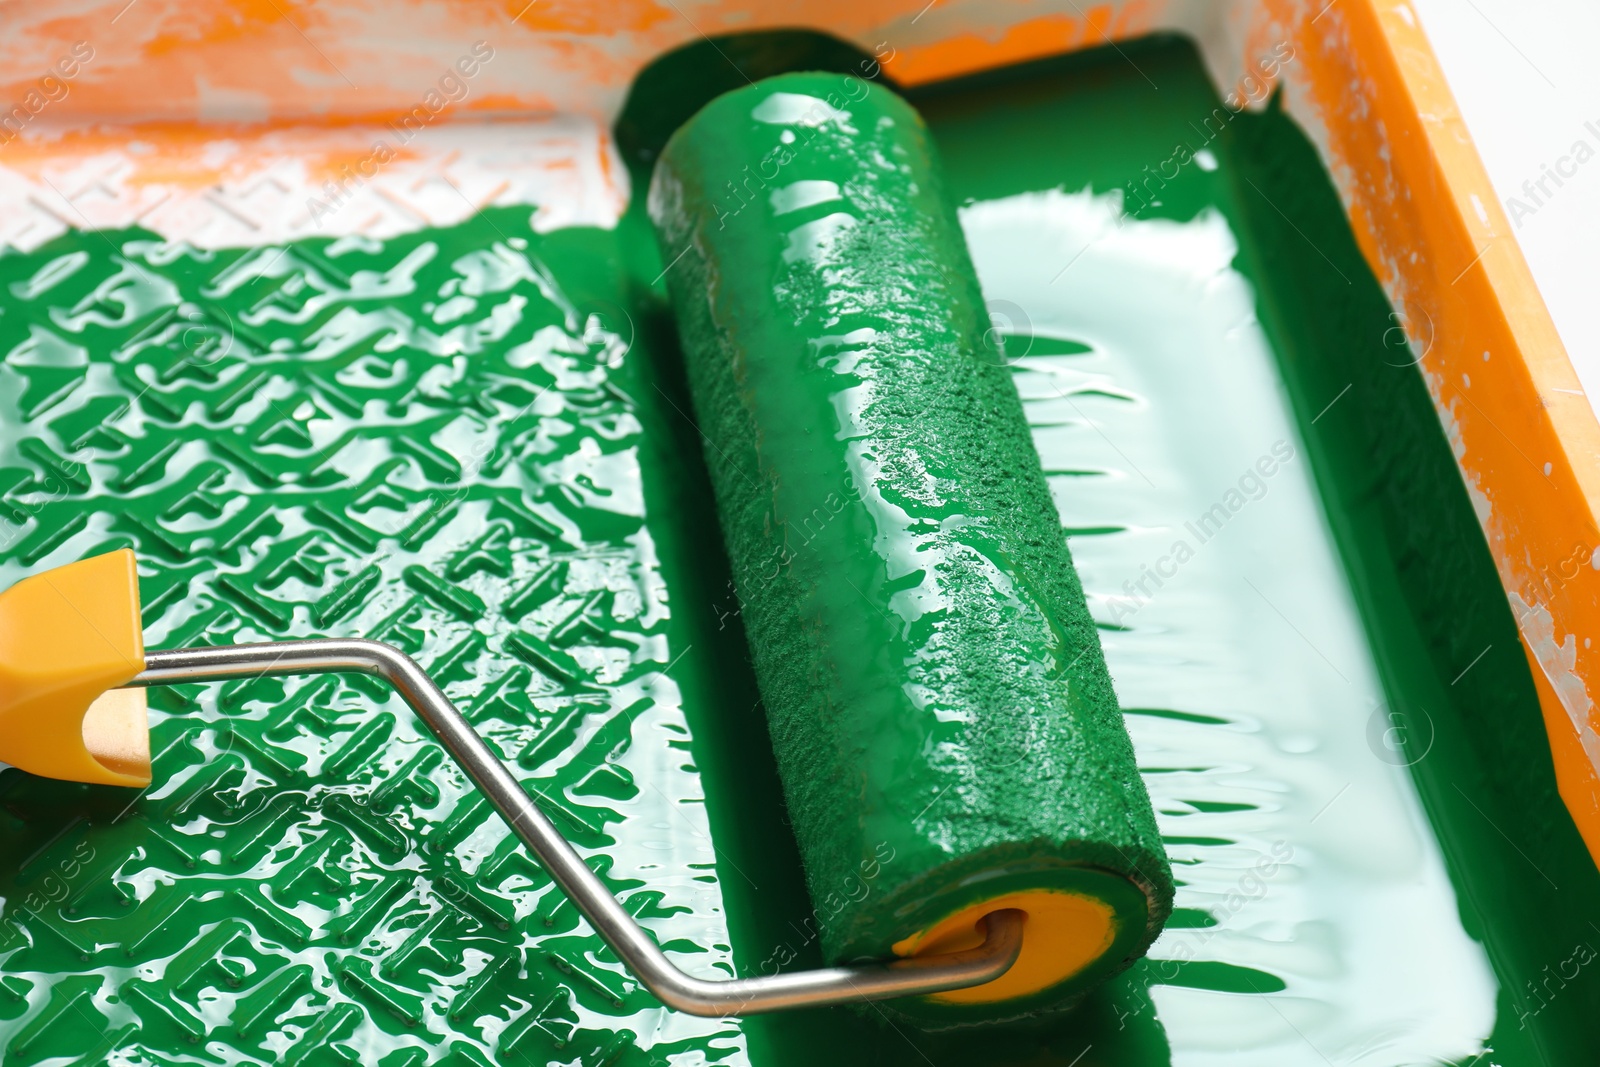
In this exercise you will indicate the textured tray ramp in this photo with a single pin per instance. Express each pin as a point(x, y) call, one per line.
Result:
point(430, 441)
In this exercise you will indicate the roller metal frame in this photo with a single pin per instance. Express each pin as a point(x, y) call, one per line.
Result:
point(632, 944)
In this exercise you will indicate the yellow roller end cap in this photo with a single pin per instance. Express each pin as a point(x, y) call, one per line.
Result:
point(1064, 933)
point(68, 638)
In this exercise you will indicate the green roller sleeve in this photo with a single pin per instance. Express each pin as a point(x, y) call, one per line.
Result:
point(944, 724)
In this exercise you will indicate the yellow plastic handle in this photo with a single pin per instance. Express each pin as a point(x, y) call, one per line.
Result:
point(67, 637)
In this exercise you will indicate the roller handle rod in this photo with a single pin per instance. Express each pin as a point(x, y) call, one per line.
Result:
point(632, 944)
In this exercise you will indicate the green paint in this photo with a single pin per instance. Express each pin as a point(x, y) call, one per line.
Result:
point(943, 721)
point(1434, 605)
point(436, 441)
point(196, 961)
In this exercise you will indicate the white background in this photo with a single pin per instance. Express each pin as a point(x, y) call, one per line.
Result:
point(1526, 74)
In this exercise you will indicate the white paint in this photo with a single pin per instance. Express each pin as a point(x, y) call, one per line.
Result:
point(1558, 663)
point(799, 109)
point(803, 194)
point(272, 190)
point(1362, 924)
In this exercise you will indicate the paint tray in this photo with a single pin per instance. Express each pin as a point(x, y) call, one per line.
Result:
point(347, 318)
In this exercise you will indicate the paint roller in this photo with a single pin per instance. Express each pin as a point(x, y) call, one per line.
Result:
point(939, 705)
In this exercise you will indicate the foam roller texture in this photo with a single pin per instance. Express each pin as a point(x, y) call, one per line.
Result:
point(943, 720)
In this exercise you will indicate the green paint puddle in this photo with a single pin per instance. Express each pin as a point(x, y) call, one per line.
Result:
point(472, 443)
point(434, 441)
